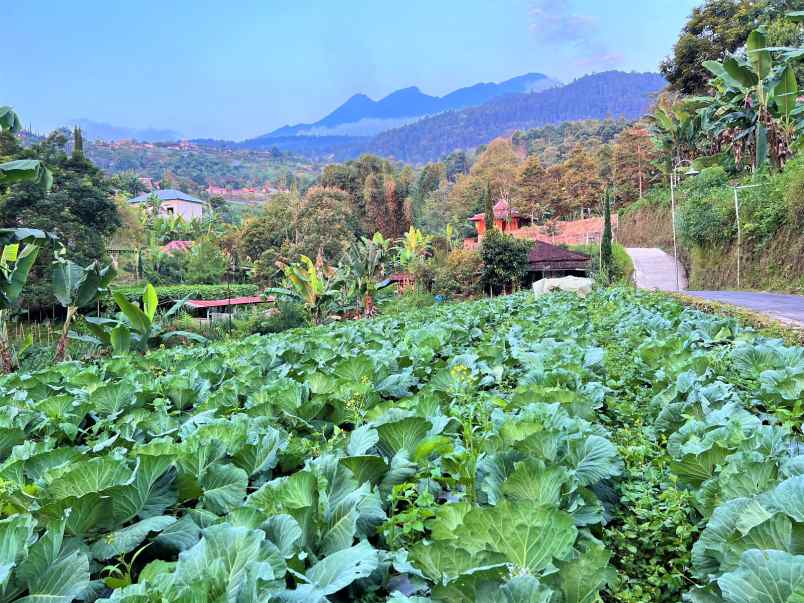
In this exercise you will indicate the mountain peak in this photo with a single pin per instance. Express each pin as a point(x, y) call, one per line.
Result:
point(360, 115)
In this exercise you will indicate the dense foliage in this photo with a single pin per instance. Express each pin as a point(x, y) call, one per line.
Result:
point(453, 454)
point(198, 166)
point(718, 27)
point(79, 209)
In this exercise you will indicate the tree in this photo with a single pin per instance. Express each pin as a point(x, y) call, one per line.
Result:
point(532, 183)
point(78, 143)
point(377, 219)
point(205, 263)
point(20, 170)
point(755, 110)
point(80, 210)
point(633, 156)
point(488, 207)
point(127, 182)
point(714, 29)
point(325, 222)
point(430, 179)
point(269, 229)
point(606, 254)
point(496, 169)
point(581, 184)
point(505, 261)
point(456, 164)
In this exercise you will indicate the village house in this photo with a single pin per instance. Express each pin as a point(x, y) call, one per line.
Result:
point(173, 202)
point(546, 258)
point(510, 221)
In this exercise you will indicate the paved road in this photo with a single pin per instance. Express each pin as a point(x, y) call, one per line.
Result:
point(654, 269)
point(787, 308)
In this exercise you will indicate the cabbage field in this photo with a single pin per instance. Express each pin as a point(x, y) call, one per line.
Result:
point(514, 450)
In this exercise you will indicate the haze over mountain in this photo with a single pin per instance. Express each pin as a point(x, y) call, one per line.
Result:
point(362, 116)
point(610, 94)
point(95, 130)
point(596, 96)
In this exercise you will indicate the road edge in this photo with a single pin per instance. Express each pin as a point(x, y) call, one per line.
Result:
point(770, 326)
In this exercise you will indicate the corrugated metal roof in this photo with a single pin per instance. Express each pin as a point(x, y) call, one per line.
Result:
point(232, 301)
point(167, 194)
point(544, 252)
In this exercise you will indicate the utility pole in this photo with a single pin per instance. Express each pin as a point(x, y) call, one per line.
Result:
point(739, 227)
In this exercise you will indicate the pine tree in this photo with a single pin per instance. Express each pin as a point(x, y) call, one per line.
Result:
point(606, 255)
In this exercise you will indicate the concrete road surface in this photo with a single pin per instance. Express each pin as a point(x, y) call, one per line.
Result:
point(787, 308)
point(655, 269)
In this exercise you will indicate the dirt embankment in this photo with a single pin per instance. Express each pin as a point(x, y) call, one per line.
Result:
point(775, 265)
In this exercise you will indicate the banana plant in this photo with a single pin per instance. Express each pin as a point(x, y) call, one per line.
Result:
point(755, 110)
point(313, 284)
point(364, 264)
point(21, 169)
point(77, 287)
point(137, 327)
point(415, 244)
point(675, 128)
point(16, 260)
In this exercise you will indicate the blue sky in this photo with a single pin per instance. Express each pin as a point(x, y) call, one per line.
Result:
point(242, 68)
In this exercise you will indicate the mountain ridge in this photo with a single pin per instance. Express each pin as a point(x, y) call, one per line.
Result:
point(97, 130)
point(410, 103)
point(595, 96)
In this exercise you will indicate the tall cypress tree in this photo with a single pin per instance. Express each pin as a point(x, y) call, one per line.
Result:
point(489, 207)
point(606, 255)
point(78, 143)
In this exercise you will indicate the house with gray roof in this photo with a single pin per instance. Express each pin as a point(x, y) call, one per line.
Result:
point(173, 202)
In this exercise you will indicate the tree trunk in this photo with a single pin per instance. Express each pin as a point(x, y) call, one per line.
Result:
point(368, 306)
point(61, 346)
point(6, 361)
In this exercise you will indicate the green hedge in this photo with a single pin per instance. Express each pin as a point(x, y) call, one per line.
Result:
point(170, 293)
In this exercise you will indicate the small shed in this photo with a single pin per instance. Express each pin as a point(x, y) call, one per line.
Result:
point(546, 260)
point(404, 281)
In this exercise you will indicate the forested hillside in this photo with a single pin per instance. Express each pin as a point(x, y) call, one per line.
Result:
point(610, 94)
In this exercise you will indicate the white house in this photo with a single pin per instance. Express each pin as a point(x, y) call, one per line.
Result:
point(173, 202)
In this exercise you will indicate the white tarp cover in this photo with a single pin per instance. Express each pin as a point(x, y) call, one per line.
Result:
point(581, 286)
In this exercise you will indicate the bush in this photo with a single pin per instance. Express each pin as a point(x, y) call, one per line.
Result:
point(505, 261)
point(460, 274)
point(707, 220)
point(410, 301)
point(286, 316)
point(792, 183)
point(206, 263)
point(423, 272)
point(160, 268)
point(623, 267)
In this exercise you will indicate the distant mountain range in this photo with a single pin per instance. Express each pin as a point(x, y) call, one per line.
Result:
point(362, 116)
point(598, 96)
point(411, 126)
point(95, 130)
point(611, 94)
